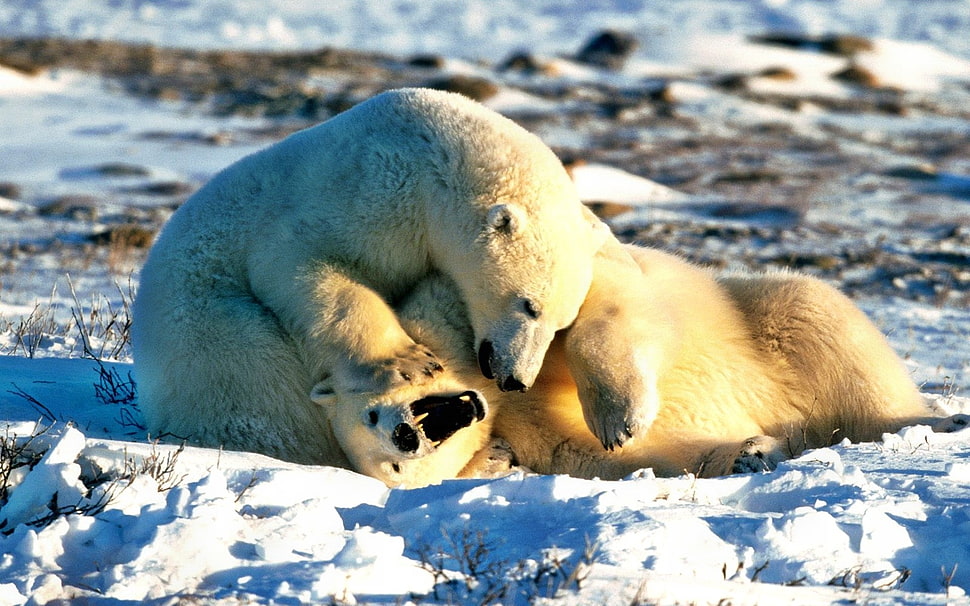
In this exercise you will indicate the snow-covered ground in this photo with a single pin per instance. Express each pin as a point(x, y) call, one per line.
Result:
point(879, 523)
point(884, 523)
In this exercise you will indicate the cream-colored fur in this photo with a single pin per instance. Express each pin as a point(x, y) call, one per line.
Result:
point(434, 316)
point(671, 367)
point(276, 278)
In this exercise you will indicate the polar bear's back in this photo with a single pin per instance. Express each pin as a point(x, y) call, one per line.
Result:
point(368, 170)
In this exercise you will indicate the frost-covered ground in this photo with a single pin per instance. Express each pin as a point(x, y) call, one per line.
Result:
point(699, 144)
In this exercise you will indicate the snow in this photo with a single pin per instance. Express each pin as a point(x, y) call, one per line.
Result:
point(876, 523)
point(601, 182)
point(858, 516)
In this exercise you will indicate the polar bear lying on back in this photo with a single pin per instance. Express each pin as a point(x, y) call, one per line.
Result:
point(671, 367)
point(278, 274)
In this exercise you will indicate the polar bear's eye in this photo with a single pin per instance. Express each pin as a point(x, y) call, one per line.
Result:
point(530, 309)
point(396, 467)
point(372, 417)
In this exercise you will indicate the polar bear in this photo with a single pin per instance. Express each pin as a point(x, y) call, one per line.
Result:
point(672, 367)
point(278, 275)
point(736, 372)
point(412, 435)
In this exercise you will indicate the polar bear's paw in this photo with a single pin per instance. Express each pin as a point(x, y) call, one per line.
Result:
point(613, 424)
point(494, 460)
point(953, 423)
point(415, 364)
point(618, 415)
point(758, 454)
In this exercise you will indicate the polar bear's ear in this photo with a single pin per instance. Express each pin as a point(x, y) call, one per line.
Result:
point(601, 231)
point(323, 393)
point(505, 218)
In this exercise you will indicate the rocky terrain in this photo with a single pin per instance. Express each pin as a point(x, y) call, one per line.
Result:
point(767, 187)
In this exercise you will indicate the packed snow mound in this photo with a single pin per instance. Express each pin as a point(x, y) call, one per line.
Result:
point(601, 183)
point(149, 521)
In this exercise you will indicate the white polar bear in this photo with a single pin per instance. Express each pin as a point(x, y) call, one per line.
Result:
point(671, 367)
point(413, 435)
point(278, 274)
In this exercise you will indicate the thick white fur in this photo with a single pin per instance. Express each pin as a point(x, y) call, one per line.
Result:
point(671, 367)
point(434, 316)
point(278, 274)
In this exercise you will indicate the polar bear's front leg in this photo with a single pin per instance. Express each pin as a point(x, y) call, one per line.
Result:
point(354, 338)
point(616, 349)
point(617, 385)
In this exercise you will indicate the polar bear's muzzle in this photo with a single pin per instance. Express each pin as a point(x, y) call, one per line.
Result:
point(438, 418)
point(486, 362)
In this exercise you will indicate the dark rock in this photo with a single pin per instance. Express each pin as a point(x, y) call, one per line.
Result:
point(756, 175)
point(10, 190)
point(76, 207)
point(127, 235)
point(787, 40)
point(663, 94)
point(778, 73)
point(732, 82)
point(525, 63)
point(609, 48)
point(472, 87)
point(163, 188)
point(120, 169)
point(427, 61)
point(860, 76)
point(845, 45)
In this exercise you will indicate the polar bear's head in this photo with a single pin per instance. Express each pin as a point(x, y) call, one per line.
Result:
point(523, 277)
point(503, 220)
point(406, 439)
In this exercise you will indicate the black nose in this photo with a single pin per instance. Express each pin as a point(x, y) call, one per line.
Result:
point(405, 438)
point(512, 384)
point(485, 351)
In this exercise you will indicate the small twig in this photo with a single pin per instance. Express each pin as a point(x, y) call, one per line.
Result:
point(948, 578)
point(757, 571)
point(250, 484)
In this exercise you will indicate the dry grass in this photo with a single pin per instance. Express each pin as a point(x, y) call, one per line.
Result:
point(466, 571)
point(100, 328)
